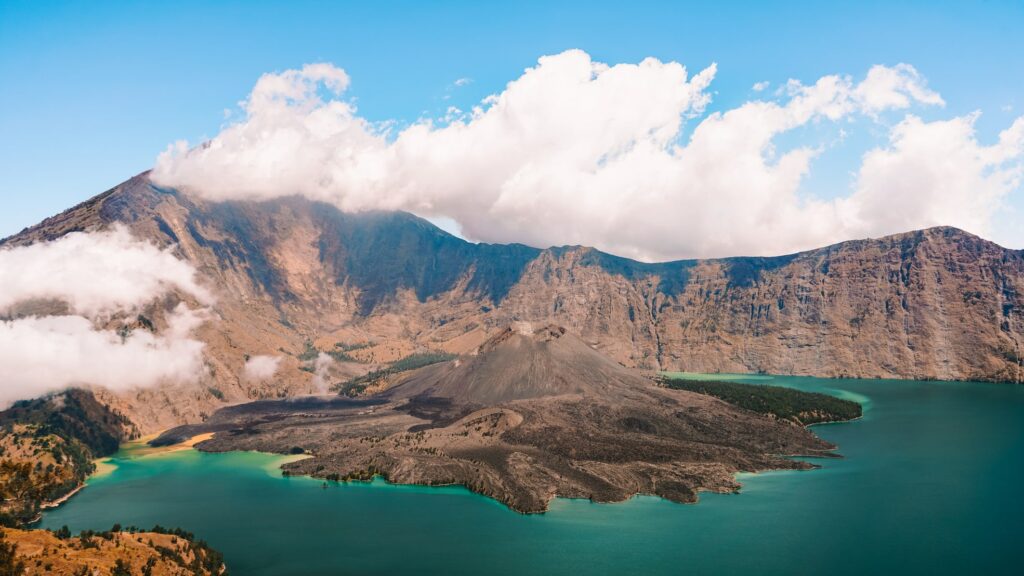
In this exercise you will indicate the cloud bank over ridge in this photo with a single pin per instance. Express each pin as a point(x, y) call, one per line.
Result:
point(620, 157)
point(96, 277)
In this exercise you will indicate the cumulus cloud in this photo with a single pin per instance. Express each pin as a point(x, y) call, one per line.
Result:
point(578, 152)
point(935, 173)
point(94, 273)
point(39, 355)
point(98, 275)
point(895, 87)
point(261, 367)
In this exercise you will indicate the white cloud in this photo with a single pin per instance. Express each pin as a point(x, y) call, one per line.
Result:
point(463, 82)
point(98, 275)
point(571, 152)
point(760, 86)
point(39, 355)
point(261, 367)
point(895, 88)
point(322, 372)
point(935, 173)
point(94, 273)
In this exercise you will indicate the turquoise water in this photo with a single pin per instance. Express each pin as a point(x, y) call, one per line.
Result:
point(929, 485)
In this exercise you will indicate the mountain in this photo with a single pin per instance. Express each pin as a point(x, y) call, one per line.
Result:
point(520, 363)
point(295, 278)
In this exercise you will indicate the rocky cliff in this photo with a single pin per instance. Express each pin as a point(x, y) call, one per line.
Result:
point(294, 277)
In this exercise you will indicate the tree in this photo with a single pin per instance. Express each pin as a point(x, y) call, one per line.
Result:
point(121, 568)
point(9, 563)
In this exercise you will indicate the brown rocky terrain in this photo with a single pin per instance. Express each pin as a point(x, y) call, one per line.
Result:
point(532, 414)
point(290, 273)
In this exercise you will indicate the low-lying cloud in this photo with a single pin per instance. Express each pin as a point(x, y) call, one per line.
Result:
point(260, 368)
point(579, 152)
point(97, 276)
point(39, 355)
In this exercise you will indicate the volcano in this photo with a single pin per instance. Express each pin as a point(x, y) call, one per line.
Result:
point(531, 414)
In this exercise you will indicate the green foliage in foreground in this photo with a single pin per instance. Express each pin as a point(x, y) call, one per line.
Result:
point(205, 560)
point(783, 403)
point(357, 385)
point(9, 562)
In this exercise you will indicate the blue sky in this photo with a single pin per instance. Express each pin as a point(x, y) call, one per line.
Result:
point(93, 92)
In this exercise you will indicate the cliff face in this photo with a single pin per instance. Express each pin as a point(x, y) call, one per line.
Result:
point(930, 304)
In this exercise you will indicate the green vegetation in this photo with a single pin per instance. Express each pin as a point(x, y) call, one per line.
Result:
point(121, 568)
point(419, 360)
point(357, 385)
point(73, 415)
point(784, 403)
point(310, 353)
point(341, 356)
point(352, 347)
point(340, 353)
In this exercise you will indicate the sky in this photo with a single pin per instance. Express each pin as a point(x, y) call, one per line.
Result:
point(94, 93)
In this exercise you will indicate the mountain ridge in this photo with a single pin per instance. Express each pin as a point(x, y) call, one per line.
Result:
point(937, 303)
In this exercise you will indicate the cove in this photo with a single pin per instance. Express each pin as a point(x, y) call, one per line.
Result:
point(928, 485)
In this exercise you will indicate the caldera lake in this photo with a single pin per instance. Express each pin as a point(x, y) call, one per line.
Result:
point(929, 483)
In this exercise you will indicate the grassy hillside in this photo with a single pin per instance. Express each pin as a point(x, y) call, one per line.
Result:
point(47, 448)
point(119, 552)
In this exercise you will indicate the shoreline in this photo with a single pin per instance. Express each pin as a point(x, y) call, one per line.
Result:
point(104, 467)
point(139, 448)
point(50, 504)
